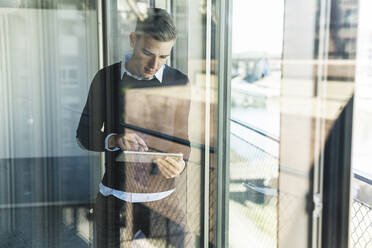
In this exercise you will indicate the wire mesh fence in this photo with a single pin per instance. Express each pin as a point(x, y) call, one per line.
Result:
point(361, 216)
point(253, 193)
point(254, 201)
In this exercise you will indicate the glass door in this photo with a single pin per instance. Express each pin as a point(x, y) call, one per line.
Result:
point(257, 39)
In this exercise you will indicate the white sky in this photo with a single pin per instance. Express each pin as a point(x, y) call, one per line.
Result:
point(257, 26)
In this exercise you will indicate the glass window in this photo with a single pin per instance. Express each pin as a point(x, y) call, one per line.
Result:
point(361, 210)
point(172, 113)
point(257, 38)
point(74, 84)
point(202, 123)
point(49, 54)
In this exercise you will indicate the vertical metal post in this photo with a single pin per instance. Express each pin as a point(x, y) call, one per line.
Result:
point(223, 141)
point(106, 12)
point(320, 124)
point(101, 57)
point(152, 3)
point(101, 51)
point(207, 96)
point(100, 33)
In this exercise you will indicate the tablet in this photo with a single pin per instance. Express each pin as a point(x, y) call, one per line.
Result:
point(145, 157)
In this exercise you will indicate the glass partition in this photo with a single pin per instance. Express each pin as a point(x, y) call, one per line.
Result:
point(229, 124)
point(257, 38)
point(182, 115)
point(49, 54)
point(59, 172)
point(318, 75)
point(361, 193)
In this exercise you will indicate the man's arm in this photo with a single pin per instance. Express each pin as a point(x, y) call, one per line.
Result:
point(127, 142)
point(90, 132)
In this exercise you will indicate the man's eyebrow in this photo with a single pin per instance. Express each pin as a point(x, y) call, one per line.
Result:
point(147, 51)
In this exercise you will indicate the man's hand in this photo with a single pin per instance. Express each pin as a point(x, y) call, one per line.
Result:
point(170, 167)
point(128, 142)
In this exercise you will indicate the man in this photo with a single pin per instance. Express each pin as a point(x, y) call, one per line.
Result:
point(126, 111)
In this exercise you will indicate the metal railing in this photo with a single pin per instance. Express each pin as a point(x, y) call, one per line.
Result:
point(361, 214)
point(253, 193)
point(361, 210)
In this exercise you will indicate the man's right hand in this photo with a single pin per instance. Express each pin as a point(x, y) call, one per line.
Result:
point(128, 142)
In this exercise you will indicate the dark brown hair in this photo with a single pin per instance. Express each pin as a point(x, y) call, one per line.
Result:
point(158, 24)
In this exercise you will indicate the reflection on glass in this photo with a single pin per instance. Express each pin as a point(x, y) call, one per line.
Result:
point(255, 90)
point(316, 105)
point(293, 69)
point(50, 182)
point(134, 109)
point(361, 208)
point(47, 183)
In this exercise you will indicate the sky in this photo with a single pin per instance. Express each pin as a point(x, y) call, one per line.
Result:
point(258, 26)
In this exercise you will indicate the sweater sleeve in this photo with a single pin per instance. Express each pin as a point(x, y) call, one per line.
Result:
point(90, 133)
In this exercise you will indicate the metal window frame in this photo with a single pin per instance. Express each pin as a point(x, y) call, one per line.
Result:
point(102, 54)
point(320, 83)
point(224, 33)
point(332, 168)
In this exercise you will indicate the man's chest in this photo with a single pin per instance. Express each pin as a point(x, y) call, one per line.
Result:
point(151, 109)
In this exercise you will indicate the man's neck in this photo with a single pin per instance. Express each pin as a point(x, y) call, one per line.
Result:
point(129, 66)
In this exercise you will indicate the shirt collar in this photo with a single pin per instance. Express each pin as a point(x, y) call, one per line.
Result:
point(158, 75)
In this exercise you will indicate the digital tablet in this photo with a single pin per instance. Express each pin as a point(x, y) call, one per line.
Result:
point(145, 157)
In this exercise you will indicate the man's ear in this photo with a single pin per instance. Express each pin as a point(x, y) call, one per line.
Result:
point(132, 39)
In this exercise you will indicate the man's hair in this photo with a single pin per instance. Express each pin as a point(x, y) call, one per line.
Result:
point(158, 24)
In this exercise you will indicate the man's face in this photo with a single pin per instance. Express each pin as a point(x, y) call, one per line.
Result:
point(148, 54)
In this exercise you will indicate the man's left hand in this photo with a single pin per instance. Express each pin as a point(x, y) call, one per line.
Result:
point(170, 167)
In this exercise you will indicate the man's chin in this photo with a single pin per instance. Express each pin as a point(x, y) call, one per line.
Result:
point(147, 76)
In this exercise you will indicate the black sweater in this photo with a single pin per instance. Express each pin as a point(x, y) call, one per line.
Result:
point(114, 104)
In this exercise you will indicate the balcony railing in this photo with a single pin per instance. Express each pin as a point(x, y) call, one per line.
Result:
point(361, 212)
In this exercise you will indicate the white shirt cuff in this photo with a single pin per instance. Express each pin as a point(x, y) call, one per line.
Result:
point(107, 146)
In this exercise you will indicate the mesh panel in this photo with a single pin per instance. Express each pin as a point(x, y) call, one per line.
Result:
point(361, 225)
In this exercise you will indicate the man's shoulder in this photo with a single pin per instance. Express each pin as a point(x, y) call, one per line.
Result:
point(104, 77)
point(113, 68)
point(106, 74)
point(173, 75)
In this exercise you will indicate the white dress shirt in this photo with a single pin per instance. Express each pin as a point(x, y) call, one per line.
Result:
point(129, 196)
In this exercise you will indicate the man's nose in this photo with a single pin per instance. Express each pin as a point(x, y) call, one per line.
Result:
point(153, 62)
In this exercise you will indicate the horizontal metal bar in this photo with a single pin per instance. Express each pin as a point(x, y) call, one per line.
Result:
point(255, 129)
point(46, 204)
point(362, 178)
point(262, 190)
point(258, 148)
point(362, 203)
point(167, 137)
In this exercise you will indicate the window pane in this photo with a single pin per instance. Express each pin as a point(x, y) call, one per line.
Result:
point(49, 55)
point(171, 112)
point(361, 210)
point(257, 38)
